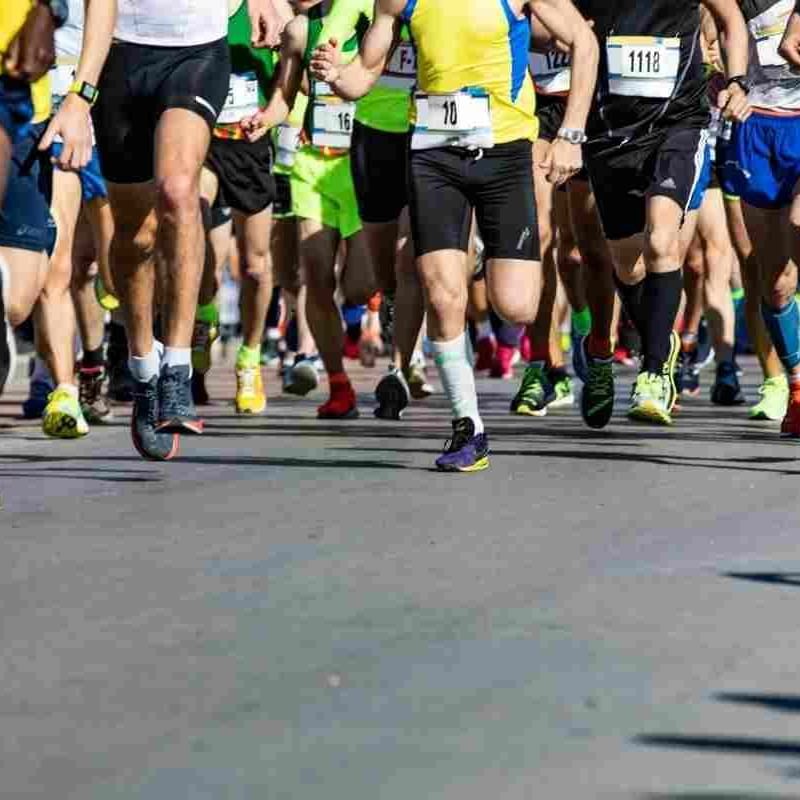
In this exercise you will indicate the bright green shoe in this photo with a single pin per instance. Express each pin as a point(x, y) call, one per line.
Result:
point(565, 396)
point(63, 418)
point(535, 392)
point(652, 399)
point(774, 399)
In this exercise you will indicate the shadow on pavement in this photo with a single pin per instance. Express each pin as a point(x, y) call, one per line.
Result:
point(745, 745)
point(783, 703)
point(713, 796)
point(776, 578)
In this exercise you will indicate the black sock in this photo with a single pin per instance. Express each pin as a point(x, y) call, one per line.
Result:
point(354, 332)
point(661, 299)
point(274, 312)
point(557, 374)
point(631, 297)
point(93, 358)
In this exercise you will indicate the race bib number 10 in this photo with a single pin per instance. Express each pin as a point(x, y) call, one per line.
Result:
point(643, 66)
point(461, 119)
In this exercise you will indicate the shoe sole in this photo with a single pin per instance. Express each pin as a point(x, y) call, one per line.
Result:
point(173, 453)
point(191, 428)
point(301, 385)
point(420, 394)
point(62, 427)
point(353, 413)
point(762, 416)
point(671, 365)
point(650, 415)
point(251, 412)
point(563, 402)
point(479, 466)
point(522, 411)
point(391, 398)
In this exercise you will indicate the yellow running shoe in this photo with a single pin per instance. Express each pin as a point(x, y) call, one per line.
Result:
point(107, 300)
point(63, 418)
point(651, 399)
point(250, 395)
point(204, 336)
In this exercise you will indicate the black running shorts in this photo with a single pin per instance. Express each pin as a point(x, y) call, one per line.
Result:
point(379, 163)
point(667, 162)
point(550, 113)
point(244, 173)
point(447, 183)
point(140, 82)
point(282, 208)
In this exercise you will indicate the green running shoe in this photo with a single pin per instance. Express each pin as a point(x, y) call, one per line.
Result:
point(652, 400)
point(774, 399)
point(597, 397)
point(562, 385)
point(536, 392)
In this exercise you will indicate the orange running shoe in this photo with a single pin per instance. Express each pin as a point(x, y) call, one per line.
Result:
point(486, 350)
point(790, 428)
point(503, 364)
point(342, 403)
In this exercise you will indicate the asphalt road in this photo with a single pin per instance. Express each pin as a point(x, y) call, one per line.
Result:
point(303, 610)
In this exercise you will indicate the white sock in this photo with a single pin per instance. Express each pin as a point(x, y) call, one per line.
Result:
point(146, 367)
point(458, 379)
point(177, 357)
point(483, 329)
point(68, 387)
point(40, 372)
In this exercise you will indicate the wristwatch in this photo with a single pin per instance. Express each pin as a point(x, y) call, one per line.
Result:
point(741, 81)
point(59, 9)
point(572, 135)
point(85, 91)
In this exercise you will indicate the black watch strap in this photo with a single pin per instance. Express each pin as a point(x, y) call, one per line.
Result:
point(741, 81)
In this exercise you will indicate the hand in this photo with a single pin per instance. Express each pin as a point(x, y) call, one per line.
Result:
point(254, 127)
point(733, 103)
point(32, 51)
point(268, 18)
point(326, 62)
point(790, 46)
point(563, 160)
point(73, 124)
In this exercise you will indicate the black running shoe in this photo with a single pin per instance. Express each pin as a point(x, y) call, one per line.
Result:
point(597, 397)
point(199, 390)
point(727, 390)
point(392, 395)
point(148, 441)
point(176, 408)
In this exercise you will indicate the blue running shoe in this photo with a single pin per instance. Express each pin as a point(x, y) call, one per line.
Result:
point(465, 452)
point(38, 393)
point(580, 363)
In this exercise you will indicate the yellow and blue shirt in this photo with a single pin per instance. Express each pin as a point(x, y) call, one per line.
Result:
point(477, 44)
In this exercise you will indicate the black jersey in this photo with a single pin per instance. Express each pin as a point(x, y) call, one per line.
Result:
point(616, 114)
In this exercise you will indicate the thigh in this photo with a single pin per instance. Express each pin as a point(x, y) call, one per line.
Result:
point(181, 144)
point(133, 207)
point(440, 211)
point(771, 237)
point(502, 191)
point(318, 247)
point(253, 233)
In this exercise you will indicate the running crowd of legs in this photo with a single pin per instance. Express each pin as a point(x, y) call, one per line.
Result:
point(421, 183)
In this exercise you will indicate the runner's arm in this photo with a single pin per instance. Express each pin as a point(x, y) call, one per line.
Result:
point(268, 18)
point(355, 79)
point(73, 121)
point(790, 46)
point(732, 27)
point(287, 82)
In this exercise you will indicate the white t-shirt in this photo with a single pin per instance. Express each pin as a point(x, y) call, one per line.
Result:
point(69, 38)
point(172, 23)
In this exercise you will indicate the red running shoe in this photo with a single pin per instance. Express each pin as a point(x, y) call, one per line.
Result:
point(526, 349)
point(352, 349)
point(342, 402)
point(502, 366)
point(486, 350)
point(790, 428)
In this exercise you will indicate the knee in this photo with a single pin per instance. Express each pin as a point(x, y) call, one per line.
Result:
point(780, 293)
point(255, 266)
point(134, 242)
point(178, 194)
point(662, 248)
point(516, 310)
point(445, 301)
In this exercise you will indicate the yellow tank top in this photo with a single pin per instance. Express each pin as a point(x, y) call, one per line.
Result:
point(12, 15)
point(477, 44)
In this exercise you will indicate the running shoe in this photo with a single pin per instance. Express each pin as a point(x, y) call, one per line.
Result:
point(726, 390)
point(465, 452)
point(562, 384)
point(341, 404)
point(652, 399)
point(597, 397)
point(503, 364)
point(250, 395)
point(63, 418)
point(120, 380)
point(203, 337)
point(148, 441)
point(271, 349)
point(91, 385)
point(687, 380)
point(487, 348)
point(535, 393)
point(773, 399)
point(525, 348)
point(8, 347)
point(199, 390)
point(352, 349)
point(580, 365)
point(177, 413)
point(38, 393)
point(790, 427)
point(392, 395)
point(107, 301)
point(417, 381)
point(302, 377)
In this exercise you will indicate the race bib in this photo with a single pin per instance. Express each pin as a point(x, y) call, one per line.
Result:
point(242, 99)
point(401, 71)
point(332, 119)
point(287, 142)
point(643, 66)
point(767, 30)
point(551, 71)
point(462, 119)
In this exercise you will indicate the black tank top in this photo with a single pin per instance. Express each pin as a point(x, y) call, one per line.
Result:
point(667, 18)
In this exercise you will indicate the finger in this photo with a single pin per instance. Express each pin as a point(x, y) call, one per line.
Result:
point(49, 135)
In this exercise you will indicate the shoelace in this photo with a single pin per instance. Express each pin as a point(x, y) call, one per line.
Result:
point(148, 397)
point(248, 379)
point(173, 394)
point(533, 385)
point(600, 377)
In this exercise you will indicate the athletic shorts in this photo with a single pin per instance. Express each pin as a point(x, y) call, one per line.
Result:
point(282, 207)
point(220, 215)
point(140, 82)
point(379, 161)
point(764, 160)
point(244, 173)
point(322, 190)
point(16, 107)
point(705, 182)
point(93, 186)
point(446, 184)
point(25, 219)
point(666, 162)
